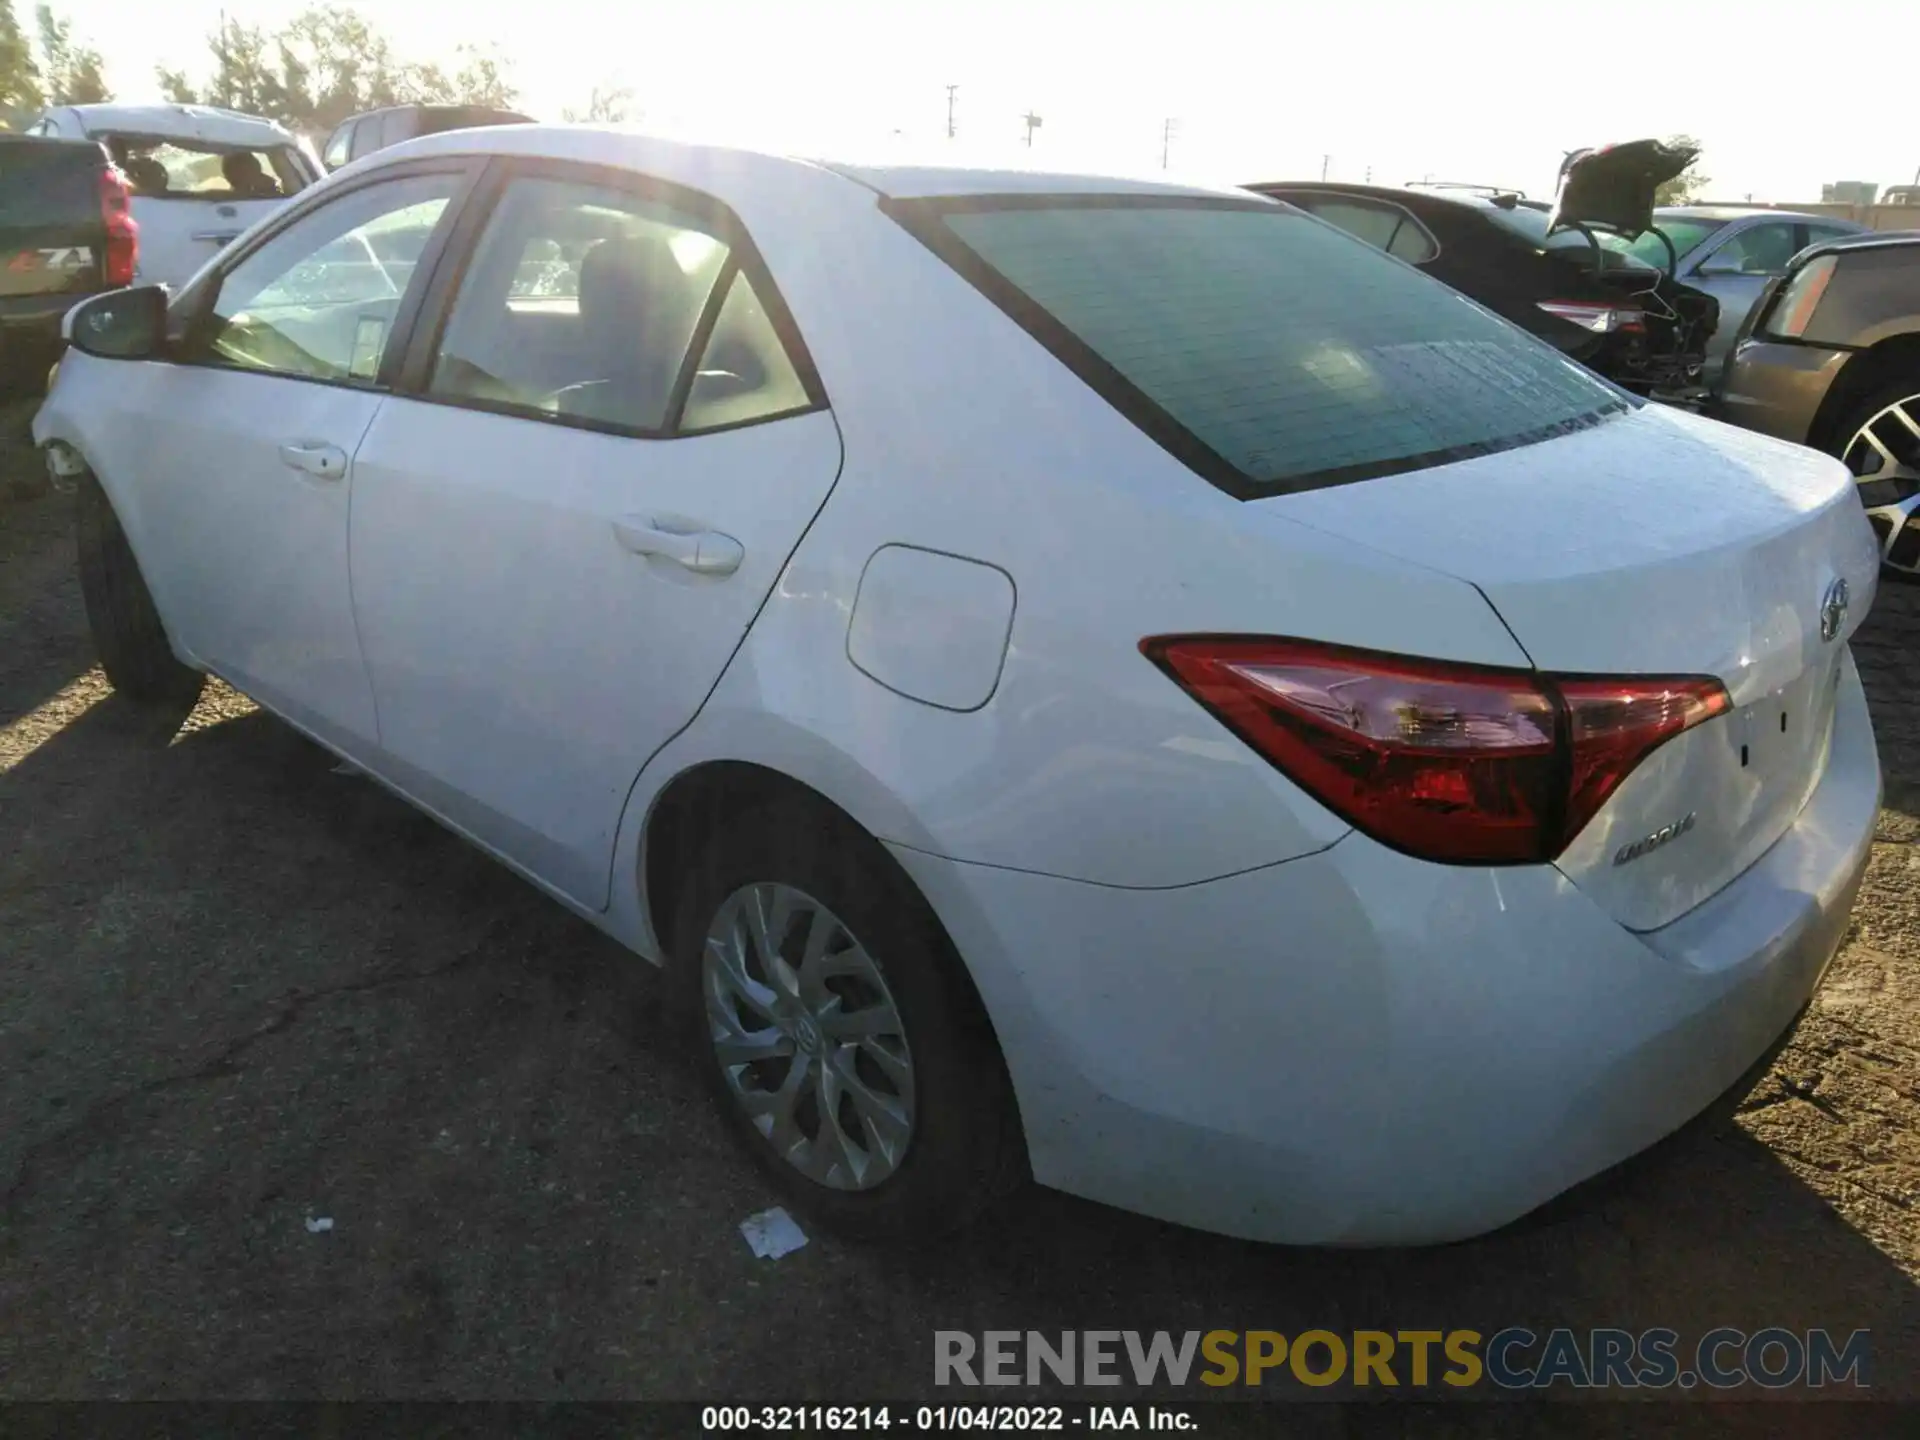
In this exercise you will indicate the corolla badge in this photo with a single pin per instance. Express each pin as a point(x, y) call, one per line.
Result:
point(1833, 609)
point(1664, 835)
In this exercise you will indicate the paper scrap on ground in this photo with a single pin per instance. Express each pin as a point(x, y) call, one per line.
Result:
point(772, 1233)
point(320, 1226)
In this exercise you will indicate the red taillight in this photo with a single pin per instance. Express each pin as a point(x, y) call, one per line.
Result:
point(1601, 319)
point(123, 233)
point(1457, 763)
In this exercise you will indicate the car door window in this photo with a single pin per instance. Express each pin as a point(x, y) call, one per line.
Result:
point(339, 147)
point(1757, 250)
point(366, 135)
point(319, 299)
point(581, 303)
point(1385, 227)
point(1818, 233)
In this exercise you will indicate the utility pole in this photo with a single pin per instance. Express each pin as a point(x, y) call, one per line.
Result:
point(1325, 161)
point(1166, 139)
point(1033, 123)
point(226, 84)
point(951, 89)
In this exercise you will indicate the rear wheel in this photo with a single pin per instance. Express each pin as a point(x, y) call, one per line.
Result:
point(1880, 443)
point(830, 1019)
point(127, 633)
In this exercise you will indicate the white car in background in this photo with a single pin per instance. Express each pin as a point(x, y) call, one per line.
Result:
point(1087, 677)
point(198, 175)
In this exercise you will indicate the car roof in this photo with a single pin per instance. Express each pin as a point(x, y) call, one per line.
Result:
point(628, 147)
point(187, 122)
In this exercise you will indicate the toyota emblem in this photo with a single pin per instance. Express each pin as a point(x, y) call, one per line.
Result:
point(1833, 610)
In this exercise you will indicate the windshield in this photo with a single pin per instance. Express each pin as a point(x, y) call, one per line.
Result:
point(1266, 349)
point(201, 170)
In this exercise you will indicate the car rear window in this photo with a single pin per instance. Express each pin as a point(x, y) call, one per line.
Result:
point(1268, 350)
point(49, 182)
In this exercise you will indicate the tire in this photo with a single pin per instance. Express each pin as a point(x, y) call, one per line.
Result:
point(1896, 455)
point(962, 1150)
point(127, 633)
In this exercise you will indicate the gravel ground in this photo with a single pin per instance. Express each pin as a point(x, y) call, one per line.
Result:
point(239, 991)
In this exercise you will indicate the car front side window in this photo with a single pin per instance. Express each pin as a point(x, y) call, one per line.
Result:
point(319, 299)
point(1757, 250)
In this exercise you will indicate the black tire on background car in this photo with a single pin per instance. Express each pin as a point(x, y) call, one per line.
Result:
point(848, 1050)
point(1879, 439)
point(127, 633)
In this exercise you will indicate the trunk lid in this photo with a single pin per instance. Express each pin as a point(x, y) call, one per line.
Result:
point(1655, 544)
point(52, 232)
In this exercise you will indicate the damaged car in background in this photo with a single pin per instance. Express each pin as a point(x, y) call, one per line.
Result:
point(1556, 271)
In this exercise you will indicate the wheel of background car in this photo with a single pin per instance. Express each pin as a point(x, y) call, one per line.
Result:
point(127, 633)
point(1880, 443)
point(833, 1023)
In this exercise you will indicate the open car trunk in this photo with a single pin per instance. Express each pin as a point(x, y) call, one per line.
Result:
point(1737, 582)
point(1612, 190)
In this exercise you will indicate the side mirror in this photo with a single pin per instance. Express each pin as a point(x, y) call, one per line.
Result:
point(120, 325)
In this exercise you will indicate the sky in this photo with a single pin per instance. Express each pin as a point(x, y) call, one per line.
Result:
point(1482, 91)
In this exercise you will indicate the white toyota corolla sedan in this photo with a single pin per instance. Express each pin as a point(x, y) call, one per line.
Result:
point(1102, 680)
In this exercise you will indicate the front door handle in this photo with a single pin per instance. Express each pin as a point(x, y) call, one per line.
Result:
point(217, 237)
point(315, 458)
point(705, 552)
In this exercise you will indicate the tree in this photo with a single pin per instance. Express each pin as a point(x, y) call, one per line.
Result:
point(329, 63)
point(19, 72)
point(1688, 183)
point(604, 107)
point(71, 72)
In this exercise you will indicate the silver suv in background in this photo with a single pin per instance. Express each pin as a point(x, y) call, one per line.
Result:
point(377, 129)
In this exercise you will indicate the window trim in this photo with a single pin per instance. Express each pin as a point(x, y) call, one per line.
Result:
point(924, 219)
point(743, 258)
point(187, 344)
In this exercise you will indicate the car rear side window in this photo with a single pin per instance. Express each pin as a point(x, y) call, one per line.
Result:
point(1270, 353)
point(1385, 227)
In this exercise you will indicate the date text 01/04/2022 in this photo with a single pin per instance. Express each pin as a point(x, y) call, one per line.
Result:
point(798, 1419)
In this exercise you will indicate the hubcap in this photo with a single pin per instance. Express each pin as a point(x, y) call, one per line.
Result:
point(1884, 455)
point(808, 1037)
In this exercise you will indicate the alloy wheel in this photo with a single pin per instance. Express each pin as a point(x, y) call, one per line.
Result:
point(808, 1036)
point(1884, 456)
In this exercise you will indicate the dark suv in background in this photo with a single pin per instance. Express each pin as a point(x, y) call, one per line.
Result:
point(66, 232)
point(377, 129)
point(1830, 357)
point(1632, 322)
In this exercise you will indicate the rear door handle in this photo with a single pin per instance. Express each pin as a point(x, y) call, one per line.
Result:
point(705, 552)
point(315, 458)
point(218, 237)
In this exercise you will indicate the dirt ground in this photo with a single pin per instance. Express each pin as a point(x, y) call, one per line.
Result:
point(239, 991)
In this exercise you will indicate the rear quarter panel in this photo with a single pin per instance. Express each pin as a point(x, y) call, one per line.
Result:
point(964, 436)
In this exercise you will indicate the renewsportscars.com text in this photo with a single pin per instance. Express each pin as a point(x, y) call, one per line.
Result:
point(1514, 1358)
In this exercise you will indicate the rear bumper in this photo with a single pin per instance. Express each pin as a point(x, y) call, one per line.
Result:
point(1360, 1048)
point(1776, 388)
